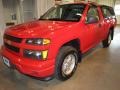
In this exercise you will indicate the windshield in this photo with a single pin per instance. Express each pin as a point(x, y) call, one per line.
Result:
point(68, 12)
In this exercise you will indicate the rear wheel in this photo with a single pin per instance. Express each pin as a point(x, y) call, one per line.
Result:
point(66, 63)
point(107, 41)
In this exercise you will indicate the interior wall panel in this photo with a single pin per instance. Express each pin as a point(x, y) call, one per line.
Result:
point(2, 24)
point(118, 16)
point(42, 6)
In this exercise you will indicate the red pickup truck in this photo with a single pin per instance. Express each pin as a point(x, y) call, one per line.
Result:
point(54, 44)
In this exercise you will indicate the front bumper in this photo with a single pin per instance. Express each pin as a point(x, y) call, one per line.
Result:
point(34, 68)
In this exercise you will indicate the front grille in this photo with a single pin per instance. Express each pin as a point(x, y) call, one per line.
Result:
point(12, 48)
point(11, 38)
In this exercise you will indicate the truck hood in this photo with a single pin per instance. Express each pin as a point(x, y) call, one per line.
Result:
point(36, 28)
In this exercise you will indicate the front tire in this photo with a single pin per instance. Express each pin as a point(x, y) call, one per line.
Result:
point(106, 43)
point(66, 63)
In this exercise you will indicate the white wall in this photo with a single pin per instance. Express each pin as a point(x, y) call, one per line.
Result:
point(107, 2)
point(42, 6)
point(118, 19)
point(28, 10)
point(9, 9)
point(67, 1)
point(2, 24)
point(118, 16)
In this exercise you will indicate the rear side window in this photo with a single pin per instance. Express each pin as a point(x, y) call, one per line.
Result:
point(107, 11)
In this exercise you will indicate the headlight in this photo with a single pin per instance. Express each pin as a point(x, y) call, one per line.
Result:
point(39, 55)
point(38, 41)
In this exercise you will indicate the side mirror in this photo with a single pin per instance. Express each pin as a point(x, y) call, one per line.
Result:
point(91, 19)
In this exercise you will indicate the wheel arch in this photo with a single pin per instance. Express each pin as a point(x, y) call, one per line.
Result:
point(74, 43)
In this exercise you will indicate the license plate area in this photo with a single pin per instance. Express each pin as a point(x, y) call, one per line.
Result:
point(6, 62)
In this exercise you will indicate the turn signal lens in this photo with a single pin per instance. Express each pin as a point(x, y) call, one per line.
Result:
point(46, 41)
point(44, 54)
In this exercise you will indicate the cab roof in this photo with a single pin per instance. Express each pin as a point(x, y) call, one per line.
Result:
point(84, 2)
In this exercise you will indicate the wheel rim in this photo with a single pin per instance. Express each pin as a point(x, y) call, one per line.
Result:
point(68, 64)
point(109, 38)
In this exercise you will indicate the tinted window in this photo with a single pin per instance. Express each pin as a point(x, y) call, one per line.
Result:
point(68, 12)
point(93, 12)
point(107, 11)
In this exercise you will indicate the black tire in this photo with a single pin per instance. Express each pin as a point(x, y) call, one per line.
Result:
point(63, 53)
point(106, 43)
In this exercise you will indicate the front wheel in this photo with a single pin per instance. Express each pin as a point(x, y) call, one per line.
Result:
point(66, 63)
point(106, 43)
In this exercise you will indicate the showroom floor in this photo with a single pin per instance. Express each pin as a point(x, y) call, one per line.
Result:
point(99, 70)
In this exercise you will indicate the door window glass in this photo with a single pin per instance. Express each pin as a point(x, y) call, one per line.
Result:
point(93, 12)
point(107, 11)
